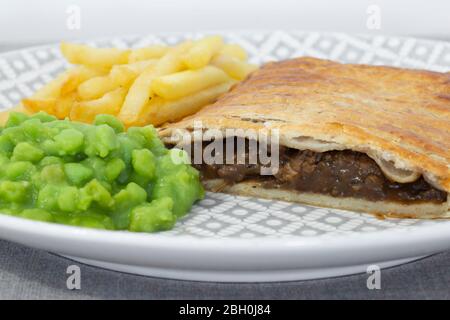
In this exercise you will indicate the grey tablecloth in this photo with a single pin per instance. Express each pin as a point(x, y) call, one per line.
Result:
point(33, 274)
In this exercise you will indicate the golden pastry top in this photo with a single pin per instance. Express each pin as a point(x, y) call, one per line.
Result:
point(398, 116)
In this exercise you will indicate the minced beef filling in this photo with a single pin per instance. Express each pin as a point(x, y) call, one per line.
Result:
point(336, 173)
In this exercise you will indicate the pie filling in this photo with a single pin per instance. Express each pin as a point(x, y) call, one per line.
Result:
point(335, 173)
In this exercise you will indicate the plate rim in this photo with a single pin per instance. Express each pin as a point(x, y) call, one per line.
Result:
point(160, 239)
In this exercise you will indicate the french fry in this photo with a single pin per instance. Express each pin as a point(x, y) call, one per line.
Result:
point(47, 98)
point(146, 53)
point(120, 76)
point(139, 66)
point(234, 67)
point(97, 87)
point(202, 52)
point(138, 95)
point(140, 91)
point(159, 111)
point(62, 84)
point(177, 85)
point(34, 105)
point(52, 90)
point(103, 58)
point(235, 51)
point(172, 61)
point(64, 105)
point(76, 76)
point(110, 103)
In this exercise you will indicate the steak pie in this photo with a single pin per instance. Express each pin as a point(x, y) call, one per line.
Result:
point(363, 138)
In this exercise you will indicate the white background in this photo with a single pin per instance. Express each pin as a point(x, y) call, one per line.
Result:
point(37, 21)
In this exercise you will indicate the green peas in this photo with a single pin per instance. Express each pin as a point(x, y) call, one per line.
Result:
point(37, 214)
point(20, 170)
point(99, 193)
point(148, 137)
point(15, 119)
point(12, 191)
point(50, 147)
point(53, 173)
point(77, 173)
point(6, 146)
point(48, 197)
point(3, 161)
point(50, 160)
point(131, 196)
point(153, 216)
point(144, 163)
point(69, 141)
point(114, 168)
point(126, 147)
point(27, 152)
point(14, 134)
point(183, 187)
point(68, 199)
point(105, 140)
point(43, 117)
point(111, 121)
point(95, 176)
point(178, 156)
point(35, 130)
point(95, 221)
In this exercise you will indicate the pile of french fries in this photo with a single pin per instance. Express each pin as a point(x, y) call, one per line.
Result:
point(150, 85)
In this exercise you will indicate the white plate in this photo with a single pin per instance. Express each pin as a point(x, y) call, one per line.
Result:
point(227, 238)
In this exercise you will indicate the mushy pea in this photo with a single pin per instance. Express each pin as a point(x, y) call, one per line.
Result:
point(96, 176)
